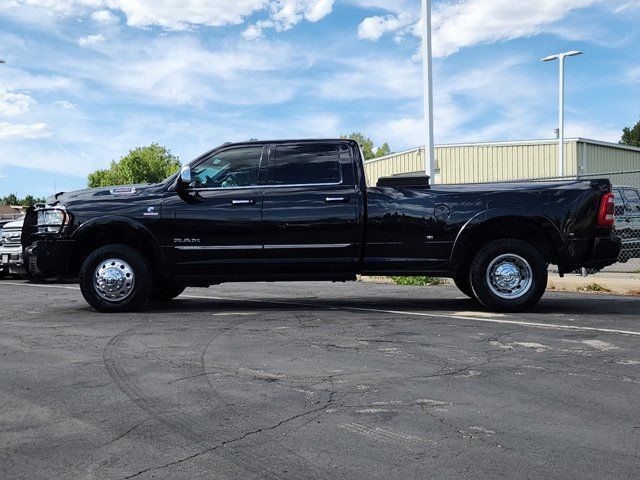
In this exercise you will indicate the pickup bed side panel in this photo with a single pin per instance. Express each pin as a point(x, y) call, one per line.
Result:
point(413, 230)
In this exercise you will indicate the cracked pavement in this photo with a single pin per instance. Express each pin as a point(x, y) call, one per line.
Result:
point(318, 380)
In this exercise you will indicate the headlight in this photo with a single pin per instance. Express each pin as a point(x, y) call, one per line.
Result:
point(52, 220)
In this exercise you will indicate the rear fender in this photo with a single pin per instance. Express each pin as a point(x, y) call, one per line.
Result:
point(466, 243)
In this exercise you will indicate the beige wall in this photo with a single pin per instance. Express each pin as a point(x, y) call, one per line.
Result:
point(508, 161)
point(480, 163)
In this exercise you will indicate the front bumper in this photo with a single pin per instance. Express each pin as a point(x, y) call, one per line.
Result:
point(49, 258)
point(11, 259)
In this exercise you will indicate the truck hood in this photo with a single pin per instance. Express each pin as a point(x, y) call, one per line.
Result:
point(101, 193)
point(16, 224)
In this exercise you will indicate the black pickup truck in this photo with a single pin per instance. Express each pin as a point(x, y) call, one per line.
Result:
point(301, 210)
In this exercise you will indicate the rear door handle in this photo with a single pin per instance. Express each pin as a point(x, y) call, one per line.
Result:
point(243, 202)
point(337, 199)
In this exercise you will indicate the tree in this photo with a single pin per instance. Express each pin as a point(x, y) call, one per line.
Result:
point(12, 199)
point(150, 164)
point(367, 146)
point(631, 136)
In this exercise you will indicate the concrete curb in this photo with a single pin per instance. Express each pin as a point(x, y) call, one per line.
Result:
point(619, 284)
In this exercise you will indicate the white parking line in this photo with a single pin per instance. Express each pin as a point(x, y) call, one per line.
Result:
point(38, 285)
point(483, 319)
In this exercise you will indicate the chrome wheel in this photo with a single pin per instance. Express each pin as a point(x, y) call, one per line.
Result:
point(509, 276)
point(114, 280)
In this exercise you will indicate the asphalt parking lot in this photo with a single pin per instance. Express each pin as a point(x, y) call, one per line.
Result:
point(299, 381)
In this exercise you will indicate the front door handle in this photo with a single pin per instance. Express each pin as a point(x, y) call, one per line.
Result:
point(337, 199)
point(243, 202)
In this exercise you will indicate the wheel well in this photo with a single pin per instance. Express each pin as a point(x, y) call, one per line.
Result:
point(520, 229)
point(101, 236)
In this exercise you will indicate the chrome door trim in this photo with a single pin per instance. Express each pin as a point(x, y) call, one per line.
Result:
point(219, 247)
point(260, 247)
point(308, 246)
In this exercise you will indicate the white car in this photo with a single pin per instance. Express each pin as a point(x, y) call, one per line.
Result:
point(11, 261)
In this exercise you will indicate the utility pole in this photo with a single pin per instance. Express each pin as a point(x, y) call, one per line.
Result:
point(429, 154)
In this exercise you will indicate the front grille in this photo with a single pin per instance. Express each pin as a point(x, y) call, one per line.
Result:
point(10, 237)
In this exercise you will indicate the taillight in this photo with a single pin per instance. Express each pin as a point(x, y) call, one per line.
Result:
point(606, 212)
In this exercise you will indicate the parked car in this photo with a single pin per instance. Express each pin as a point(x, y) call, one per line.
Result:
point(11, 261)
point(301, 210)
point(627, 222)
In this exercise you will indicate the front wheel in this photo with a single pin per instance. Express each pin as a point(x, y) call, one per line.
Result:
point(116, 278)
point(508, 275)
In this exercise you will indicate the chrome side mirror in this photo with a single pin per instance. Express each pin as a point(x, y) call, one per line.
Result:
point(185, 175)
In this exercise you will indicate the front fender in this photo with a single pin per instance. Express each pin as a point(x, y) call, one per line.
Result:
point(94, 227)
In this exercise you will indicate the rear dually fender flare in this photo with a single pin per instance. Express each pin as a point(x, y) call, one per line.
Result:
point(466, 240)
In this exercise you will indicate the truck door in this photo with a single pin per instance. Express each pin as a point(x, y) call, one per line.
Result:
point(310, 214)
point(219, 231)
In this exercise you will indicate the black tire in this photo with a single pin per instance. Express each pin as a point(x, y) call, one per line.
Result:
point(464, 285)
point(524, 280)
point(167, 292)
point(137, 292)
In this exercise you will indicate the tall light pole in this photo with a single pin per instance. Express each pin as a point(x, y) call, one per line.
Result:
point(429, 155)
point(560, 57)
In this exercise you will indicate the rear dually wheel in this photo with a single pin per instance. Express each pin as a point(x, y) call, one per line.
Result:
point(508, 275)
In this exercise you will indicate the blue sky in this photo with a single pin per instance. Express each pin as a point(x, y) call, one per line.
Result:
point(87, 80)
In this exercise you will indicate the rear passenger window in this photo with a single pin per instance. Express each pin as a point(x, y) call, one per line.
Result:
point(632, 197)
point(306, 164)
point(618, 200)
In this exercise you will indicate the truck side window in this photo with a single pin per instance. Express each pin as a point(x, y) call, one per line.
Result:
point(633, 199)
point(232, 168)
point(306, 164)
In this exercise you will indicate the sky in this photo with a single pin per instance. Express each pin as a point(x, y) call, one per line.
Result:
point(85, 81)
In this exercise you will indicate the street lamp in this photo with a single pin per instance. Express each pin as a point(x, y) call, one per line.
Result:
point(429, 156)
point(561, 57)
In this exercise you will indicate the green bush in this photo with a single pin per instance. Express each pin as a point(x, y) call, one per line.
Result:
point(418, 281)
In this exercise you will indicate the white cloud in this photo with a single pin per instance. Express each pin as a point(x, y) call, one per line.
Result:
point(22, 130)
point(91, 40)
point(594, 130)
point(465, 23)
point(185, 14)
point(497, 101)
point(16, 78)
point(633, 75)
point(104, 16)
point(373, 28)
point(12, 104)
point(180, 70)
point(379, 78)
point(284, 14)
point(628, 6)
point(64, 105)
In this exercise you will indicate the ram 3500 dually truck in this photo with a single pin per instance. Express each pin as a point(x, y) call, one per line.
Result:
point(301, 210)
